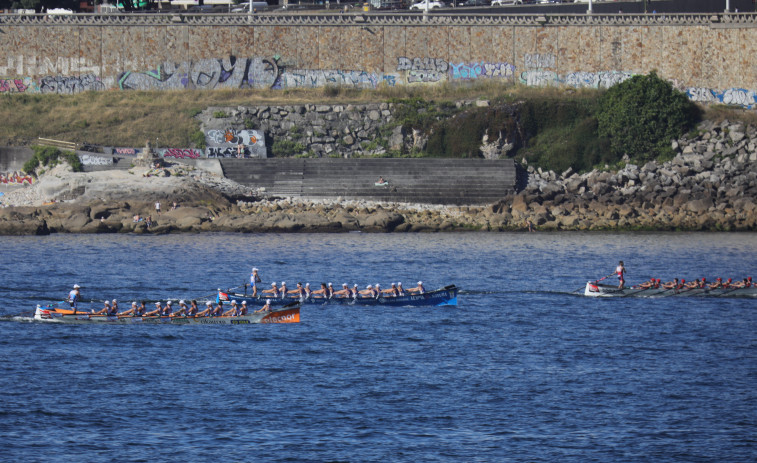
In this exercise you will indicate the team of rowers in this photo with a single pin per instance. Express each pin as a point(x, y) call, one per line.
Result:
point(699, 283)
point(327, 291)
point(110, 308)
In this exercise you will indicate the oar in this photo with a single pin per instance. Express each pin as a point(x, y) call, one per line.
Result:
point(732, 289)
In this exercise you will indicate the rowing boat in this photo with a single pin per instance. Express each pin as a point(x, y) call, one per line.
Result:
point(438, 297)
point(286, 314)
point(594, 289)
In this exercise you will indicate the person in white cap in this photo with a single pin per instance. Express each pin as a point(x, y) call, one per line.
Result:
point(254, 280)
point(232, 311)
point(168, 309)
point(130, 312)
point(157, 312)
point(344, 292)
point(74, 297)
point(298, 292)
point(274, 291)
point(308, 293)
point(243, 309)
point(182, 309)
point(376, 290)
point(418, 289)
point(367, 292)
point(354, 293)
point(104, 311)
point(394, 291)
point(283, 290)
point(266, 307)
point(400, 288)
point(208, 309)
point(113, 307)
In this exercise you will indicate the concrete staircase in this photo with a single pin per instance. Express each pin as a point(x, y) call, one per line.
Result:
point(432, 181)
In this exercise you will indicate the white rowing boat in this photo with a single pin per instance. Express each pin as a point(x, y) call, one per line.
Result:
point(287, 314)
point(594, 289)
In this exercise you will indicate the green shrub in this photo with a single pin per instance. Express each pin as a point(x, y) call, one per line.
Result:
point(283, 148)
point(643, 114)
point(220, 114)
point(49, 156)
point(250, 124)
point(198, 139)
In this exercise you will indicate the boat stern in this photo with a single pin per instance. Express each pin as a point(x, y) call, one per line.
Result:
point(42, 314)
point(592, 290)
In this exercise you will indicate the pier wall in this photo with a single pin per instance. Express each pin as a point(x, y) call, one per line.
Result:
point(710, 56)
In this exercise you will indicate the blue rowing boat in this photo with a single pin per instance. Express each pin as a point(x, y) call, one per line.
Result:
point(438, 297)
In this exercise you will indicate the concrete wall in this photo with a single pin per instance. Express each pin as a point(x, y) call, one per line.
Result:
point(712, 57)
point(431, 181)
point(12, 158)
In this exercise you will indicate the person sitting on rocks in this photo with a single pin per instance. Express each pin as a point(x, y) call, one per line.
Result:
point(382, 182)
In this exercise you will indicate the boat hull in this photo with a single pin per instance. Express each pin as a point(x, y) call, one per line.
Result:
point(598, 290)
point(289, 314)
point(439, 297)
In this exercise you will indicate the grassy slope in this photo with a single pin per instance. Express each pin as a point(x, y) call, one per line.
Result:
point(118, 118)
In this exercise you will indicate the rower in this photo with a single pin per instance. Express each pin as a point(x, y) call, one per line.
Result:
point(254, 280)
point(718, 284)
point(182, 309)
point(283, 289)
point(243, 309)
point(308, 293)
point(620, 271)
point(671, 284)
point(208, 309)
point(321, 293)
point(376, 290)
point(74, 296)
point(354, 293)
point(131, 312)
point(418, 289)
point(158, 310)
point(742, 284)
point(168, 309)
point(367, 292)
point(104, 311)
point(692, 284)
point(193, 309)
point(266, 307)
point(647, 284)
point(298, 292)
point(232, 311)
point(727, 284)
point(344, 292)
point(703, 282)
point(273, 291)
point(394, 291)
point(330, 290)
point(400, 289)
point(218, 311)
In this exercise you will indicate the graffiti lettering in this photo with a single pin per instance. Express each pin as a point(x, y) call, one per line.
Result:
point(180, 153)
point(18, 85)
point(16, 178)
point(422, 64)
point(33, 65)
point(423, 76)
point(539, 61)
point(126, 151)
point(539, 78)
point(701, 95)
point(89, 160)
point(69, 85)
point(316, 78)
point(206, 74)
point(481, 70)
point(226, 143)
point(739, 96)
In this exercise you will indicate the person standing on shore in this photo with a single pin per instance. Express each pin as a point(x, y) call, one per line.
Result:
point(157, 207)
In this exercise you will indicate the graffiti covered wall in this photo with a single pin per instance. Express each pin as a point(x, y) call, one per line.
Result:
point(709, 62)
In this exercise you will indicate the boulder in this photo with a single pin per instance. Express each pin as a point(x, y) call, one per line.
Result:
point(699, 206)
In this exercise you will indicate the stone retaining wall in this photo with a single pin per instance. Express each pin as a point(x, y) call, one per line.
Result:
point(709, 56)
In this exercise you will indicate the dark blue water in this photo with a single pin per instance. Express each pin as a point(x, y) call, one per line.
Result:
point(521, 370)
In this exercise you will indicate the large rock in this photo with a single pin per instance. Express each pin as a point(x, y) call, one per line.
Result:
point(699, 206)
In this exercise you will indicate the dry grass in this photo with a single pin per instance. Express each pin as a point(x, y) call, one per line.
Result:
point(719, 113)
point(128, 118)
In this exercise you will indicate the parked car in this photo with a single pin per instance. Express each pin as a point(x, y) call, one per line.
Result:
point(431, 5)
point(476, 3)
point(245, 7)
point(506, 2)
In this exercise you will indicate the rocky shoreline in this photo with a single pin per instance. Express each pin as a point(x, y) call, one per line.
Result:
point(711, 184)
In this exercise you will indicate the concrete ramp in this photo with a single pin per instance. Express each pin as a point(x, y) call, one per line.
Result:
point(430, 181)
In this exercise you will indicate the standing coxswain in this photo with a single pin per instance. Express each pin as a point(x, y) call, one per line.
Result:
point(254, 280)
point(620, 271)
point(74, 297)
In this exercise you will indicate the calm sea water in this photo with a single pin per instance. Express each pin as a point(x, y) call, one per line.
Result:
point(521, 370)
